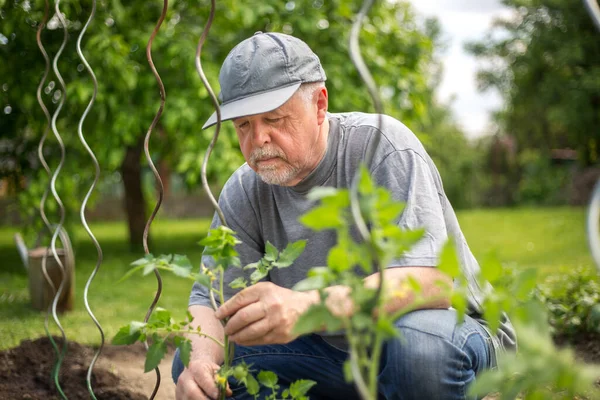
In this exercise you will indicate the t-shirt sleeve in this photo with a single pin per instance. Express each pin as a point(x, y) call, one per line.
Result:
point(240, 217)
point(409, 178)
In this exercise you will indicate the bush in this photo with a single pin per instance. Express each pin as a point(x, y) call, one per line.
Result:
point(572, 299)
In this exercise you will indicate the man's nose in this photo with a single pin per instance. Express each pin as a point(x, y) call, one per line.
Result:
point(261, 134)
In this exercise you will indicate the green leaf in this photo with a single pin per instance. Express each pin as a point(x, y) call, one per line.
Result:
point(183, 272)
point(143, 261)
point(315, 318)
point(131, 272)
point(149, 268)
point(321, 218)
point(239, 283)
point(291, 252)
point(525, 283)
point(321, 192)
point(128, 334)
point(414, 284)
point(449, 261)
point(182, 261)
point(348, 377)
point(267, 379)
point(185, 350)
point(204, 280)
point(491, 269)
point(339, 259)
point(286, 393)
point(311, 283)
point(459, 302)
point(387, 328)
point(155, 354)
point(252, 386)
point(271, 252)
point(258, 274)
point(365, 183)
point(160, 315)
point(301, 387)
point(492, 313)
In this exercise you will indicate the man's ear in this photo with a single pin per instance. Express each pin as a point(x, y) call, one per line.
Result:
point(322, 104)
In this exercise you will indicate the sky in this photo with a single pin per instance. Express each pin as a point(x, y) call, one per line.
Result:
point(463, 21)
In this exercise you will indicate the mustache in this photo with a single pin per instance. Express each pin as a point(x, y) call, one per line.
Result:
point(264, 153)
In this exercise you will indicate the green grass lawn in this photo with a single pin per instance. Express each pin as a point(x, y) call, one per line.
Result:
point(550, 239)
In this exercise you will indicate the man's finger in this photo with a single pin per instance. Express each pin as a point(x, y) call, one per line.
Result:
point(253, 333)
point(242, 299)
point(244, 317)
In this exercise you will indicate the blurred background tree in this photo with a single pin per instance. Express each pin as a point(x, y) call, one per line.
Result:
point(399, 51)
point(545, 62)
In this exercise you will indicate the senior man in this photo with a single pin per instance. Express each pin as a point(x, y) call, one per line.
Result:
point(272, 88)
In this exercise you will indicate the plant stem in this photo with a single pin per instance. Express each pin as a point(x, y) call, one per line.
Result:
point(375, 362)
point(359, 381)
point(226, 347)
point(192, 331)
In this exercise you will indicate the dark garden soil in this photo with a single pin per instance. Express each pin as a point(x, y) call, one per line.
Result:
point(25, 373)
point(118, 375)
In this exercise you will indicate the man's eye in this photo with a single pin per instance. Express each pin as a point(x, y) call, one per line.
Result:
point(243, 124)
point(273, 120)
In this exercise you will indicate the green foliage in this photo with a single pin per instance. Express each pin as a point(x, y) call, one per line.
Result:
point(544, 59)
point(272, 259)
point(162, 328)
point(541, 183)
point(539, 370)
point(365, 329)
point(571, 298)
point(220, 244)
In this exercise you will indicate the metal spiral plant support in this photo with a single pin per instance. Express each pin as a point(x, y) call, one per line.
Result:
point(47, 189)
point(594, 10)
point(593, 217)
point(87, 197)
point(156, 175)
point(229, 345)
point(217, 110)
point(57, 197)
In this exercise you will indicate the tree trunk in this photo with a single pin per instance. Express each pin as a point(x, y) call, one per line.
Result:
point(135, 205)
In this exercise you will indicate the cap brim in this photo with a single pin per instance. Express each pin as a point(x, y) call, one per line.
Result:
point(257, 104)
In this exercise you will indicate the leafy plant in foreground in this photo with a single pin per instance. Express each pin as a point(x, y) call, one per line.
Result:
point(162, 329)
point(368, 326)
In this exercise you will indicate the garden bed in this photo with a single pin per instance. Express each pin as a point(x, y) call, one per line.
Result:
point(25, 373)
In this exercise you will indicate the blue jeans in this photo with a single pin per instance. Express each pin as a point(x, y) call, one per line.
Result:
point(434, 359)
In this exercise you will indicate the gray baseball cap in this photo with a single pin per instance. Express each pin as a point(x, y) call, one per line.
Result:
point(262, 73)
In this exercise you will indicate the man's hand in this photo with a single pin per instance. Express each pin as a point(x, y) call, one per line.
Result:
point(264, 314)
point(197, 382)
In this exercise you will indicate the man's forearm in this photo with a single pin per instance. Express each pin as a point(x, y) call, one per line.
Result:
point(433, 291)
point(434, 287)
point(203, 347)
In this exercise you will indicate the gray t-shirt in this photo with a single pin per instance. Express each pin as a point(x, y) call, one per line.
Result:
point(259, 212)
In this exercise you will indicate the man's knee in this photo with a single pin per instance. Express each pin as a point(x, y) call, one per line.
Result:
point(434, 357)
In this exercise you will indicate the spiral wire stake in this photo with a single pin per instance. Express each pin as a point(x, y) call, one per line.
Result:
point(357, 60)
point(49, 172)
point(156, 174)
point(594, 10)
point(593, 216)
point(61, 207)
point(217, 109)
point(87, 197)
point(212, 143)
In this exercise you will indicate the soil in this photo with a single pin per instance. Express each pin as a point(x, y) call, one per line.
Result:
point(25, 371)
